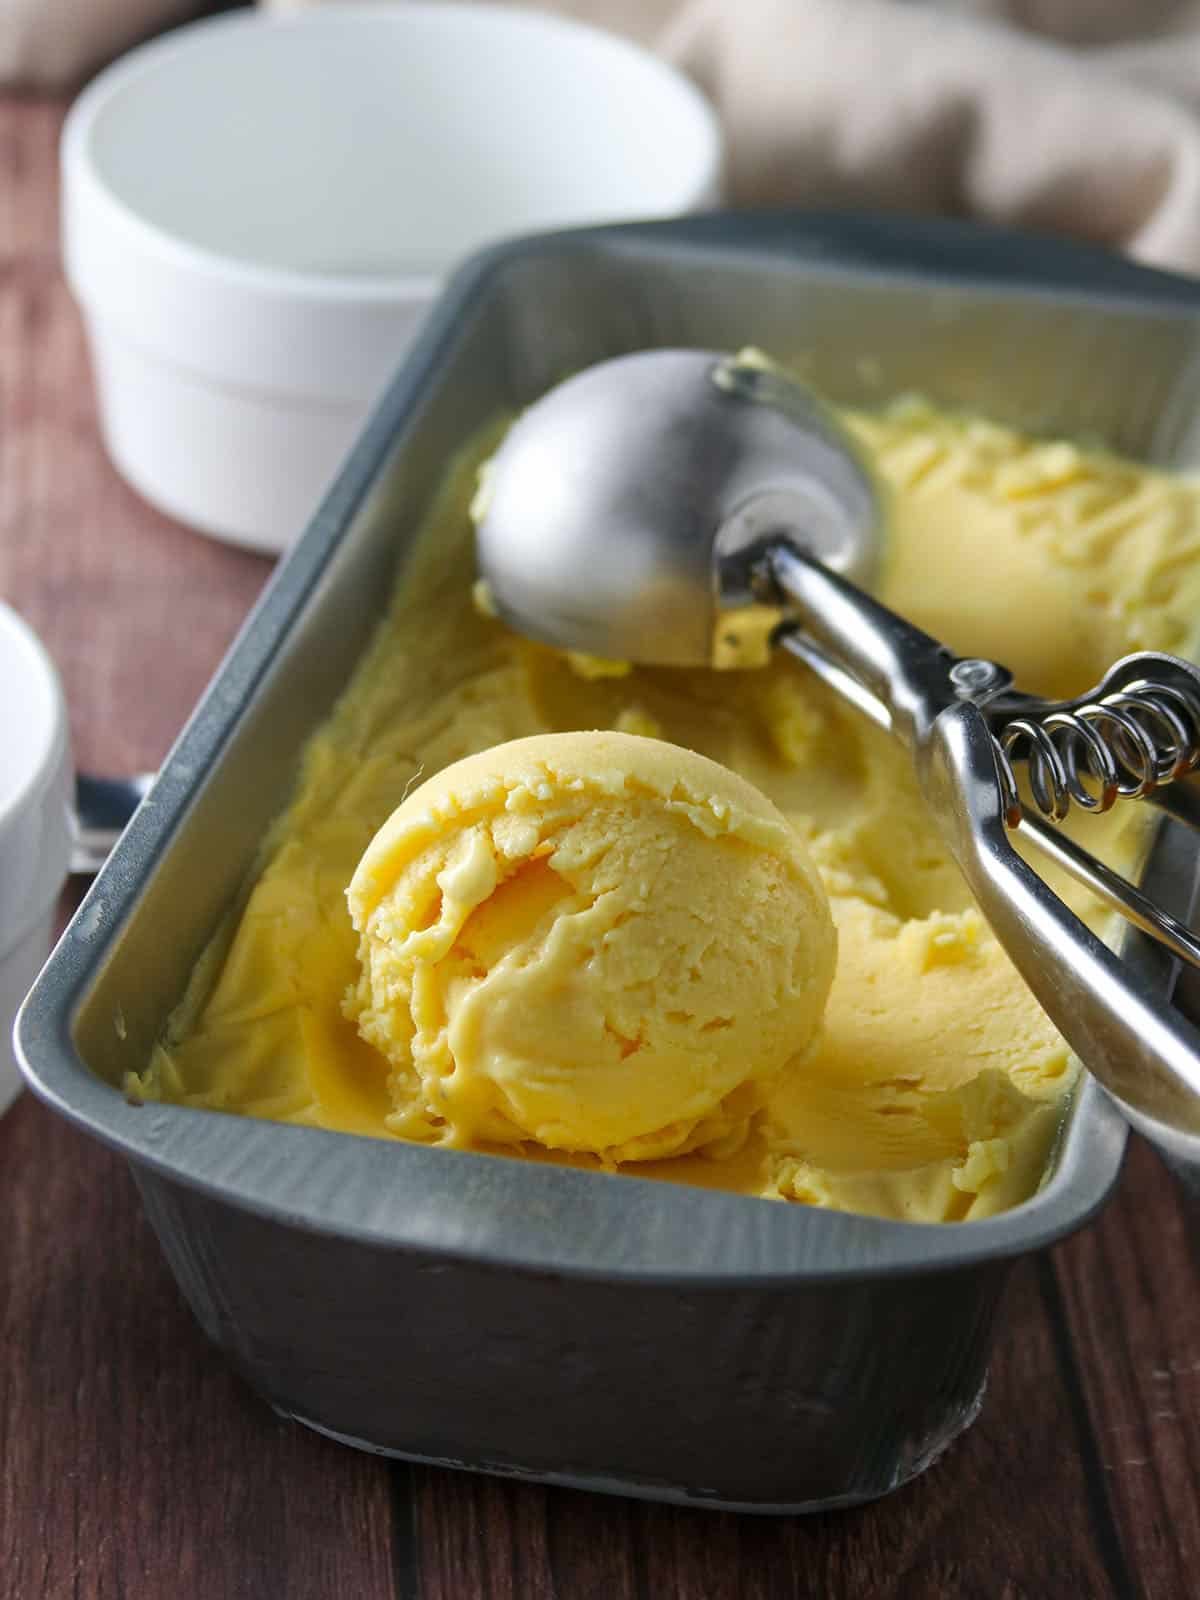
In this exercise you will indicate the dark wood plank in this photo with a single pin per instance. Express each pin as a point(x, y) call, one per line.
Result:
point(134, 1464)
point(135, 609)
point(1131, 1292)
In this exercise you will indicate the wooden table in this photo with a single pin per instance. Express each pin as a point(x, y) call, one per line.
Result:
point(133, 1464)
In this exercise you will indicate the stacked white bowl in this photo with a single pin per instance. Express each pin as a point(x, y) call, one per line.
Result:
point(35, 820)
point(258, 211)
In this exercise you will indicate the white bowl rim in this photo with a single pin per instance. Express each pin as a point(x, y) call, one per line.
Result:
point(26, 900)
point(381, 290)
point(51, 747)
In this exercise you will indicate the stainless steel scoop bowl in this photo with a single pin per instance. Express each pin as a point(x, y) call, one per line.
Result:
point(621, 513)
point(634, 505)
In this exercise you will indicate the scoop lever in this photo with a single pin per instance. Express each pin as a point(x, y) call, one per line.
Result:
point(1146, 1054)
point(631, 508)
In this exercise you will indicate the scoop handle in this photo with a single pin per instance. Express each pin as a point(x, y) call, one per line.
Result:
point(906, 670)
point(1142, 1050)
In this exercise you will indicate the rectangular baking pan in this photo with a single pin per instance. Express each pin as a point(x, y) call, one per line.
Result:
point(573, 1327)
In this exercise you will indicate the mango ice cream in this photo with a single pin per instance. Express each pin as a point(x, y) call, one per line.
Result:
point(612, 951)
point(592, 941)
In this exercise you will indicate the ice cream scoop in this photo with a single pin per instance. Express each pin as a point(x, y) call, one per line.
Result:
point(634, 505)
point(624, 511)
point(594, 942)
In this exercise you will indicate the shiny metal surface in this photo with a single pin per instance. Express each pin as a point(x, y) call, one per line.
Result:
point(817, 1358)
point(1148, 707)
point(623, 509)
point(1138, 909)
point(1137, 732)
point(1146, 1055)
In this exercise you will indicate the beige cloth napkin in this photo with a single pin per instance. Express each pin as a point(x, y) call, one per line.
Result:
point(963, 107)
point(1077, 116)
point(51, 42)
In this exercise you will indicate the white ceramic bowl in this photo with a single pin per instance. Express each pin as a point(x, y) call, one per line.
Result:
point(257, 212)
point(35, 820)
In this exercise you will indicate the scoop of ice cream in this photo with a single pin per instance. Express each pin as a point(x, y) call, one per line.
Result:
point(594, 941)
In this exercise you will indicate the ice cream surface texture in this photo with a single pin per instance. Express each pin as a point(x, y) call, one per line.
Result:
point(595, 941)
point(934, 1087)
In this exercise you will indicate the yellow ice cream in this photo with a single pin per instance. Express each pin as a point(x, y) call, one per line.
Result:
point(593, 941)
point(935, 1086)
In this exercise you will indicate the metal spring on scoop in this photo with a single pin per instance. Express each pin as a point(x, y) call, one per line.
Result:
point(1122, 746)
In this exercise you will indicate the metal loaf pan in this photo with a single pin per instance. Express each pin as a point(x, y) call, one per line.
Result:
point(607, 1332)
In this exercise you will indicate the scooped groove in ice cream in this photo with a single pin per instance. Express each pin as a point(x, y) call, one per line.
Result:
point(597, 942)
